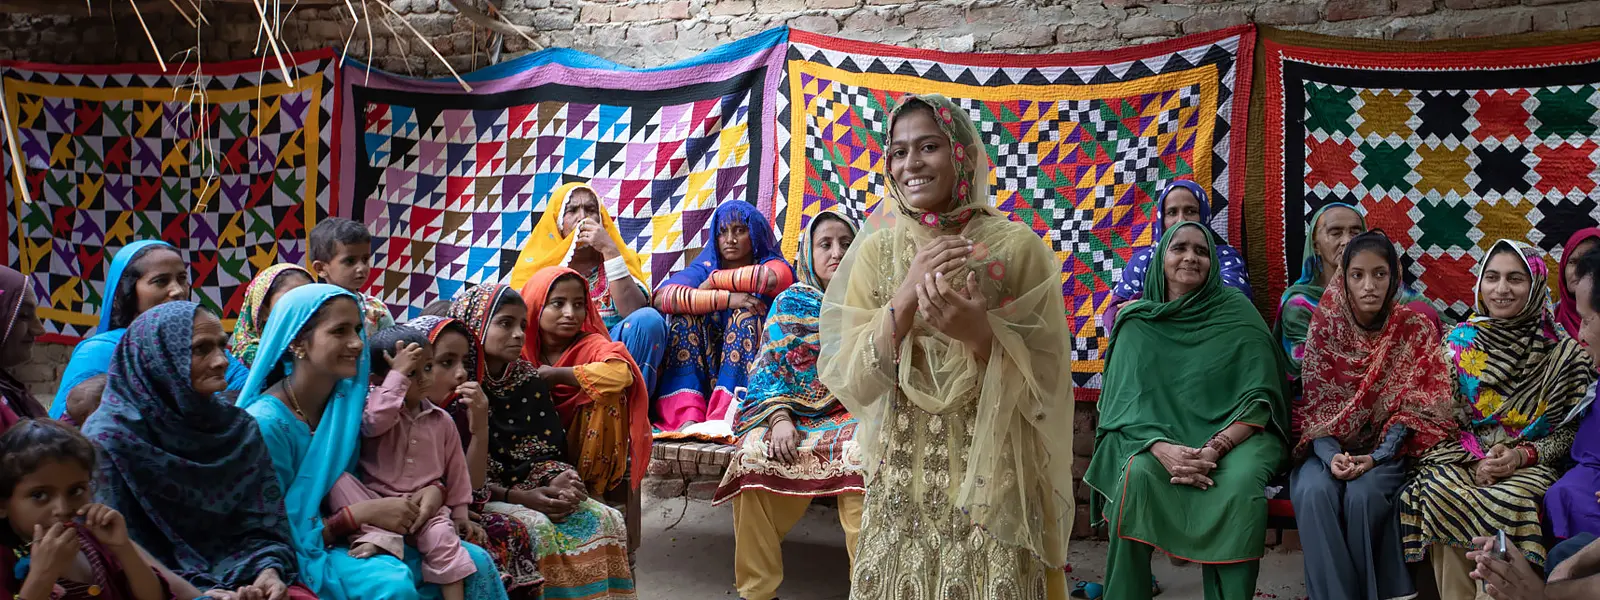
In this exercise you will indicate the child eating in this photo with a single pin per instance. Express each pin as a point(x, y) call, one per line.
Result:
point(60, 544)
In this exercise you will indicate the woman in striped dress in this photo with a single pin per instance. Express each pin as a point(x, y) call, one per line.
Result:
point(1516, 380)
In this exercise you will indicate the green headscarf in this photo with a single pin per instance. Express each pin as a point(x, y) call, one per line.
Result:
point(1181, 371)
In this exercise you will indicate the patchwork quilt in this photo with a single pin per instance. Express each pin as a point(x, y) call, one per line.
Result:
point(1447, 147)
point(451, 182)
point(230, 164)
point(1081, 144)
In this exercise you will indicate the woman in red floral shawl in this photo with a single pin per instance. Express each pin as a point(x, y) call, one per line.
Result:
point(1377, 390)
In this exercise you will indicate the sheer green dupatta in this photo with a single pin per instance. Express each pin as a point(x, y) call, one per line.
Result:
point(1015, 480)
point(1183, 370)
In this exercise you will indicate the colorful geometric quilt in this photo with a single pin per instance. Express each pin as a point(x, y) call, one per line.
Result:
point(451, 182)
point(116, 154)
point(1446, 146)
point(1081, 143)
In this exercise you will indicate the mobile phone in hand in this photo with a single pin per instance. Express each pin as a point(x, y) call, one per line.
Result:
point(1502, 547)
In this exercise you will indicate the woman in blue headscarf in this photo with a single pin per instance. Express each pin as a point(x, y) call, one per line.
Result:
point(307, 391)
point(143, 275)
point(1180, 201)
point(715, 308)
point(186, 467)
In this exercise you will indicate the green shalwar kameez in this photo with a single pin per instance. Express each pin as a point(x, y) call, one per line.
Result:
point(1181, 372)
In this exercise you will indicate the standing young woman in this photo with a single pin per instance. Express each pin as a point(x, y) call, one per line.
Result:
point(307, 392)
point(715, 309)
point(1377, 393)
point(944, 335)
point(796, 439)
point(1516, 379)
point(143, 275)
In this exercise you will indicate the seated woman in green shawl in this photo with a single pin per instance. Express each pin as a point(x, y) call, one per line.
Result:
point(1193, 422)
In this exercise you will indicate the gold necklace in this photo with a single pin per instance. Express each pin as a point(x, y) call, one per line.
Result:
point(294, 402)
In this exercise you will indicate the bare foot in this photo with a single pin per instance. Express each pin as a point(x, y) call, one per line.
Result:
point(364, 550)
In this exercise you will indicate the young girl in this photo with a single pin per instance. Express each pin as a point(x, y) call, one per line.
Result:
point(595, 383)
point(409, 444)
point(582, 544)
point(60, 545)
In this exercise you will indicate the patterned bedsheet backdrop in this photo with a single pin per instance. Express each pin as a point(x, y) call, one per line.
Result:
point(112, 155)
point(451, 183)
point(1447, 151)
point(1081, 143)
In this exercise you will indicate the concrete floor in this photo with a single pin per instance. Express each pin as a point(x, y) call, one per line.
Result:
point(694, 559)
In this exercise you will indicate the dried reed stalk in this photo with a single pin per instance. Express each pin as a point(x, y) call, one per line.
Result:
point(272, 42)
point(425, 42)
point(153, 46)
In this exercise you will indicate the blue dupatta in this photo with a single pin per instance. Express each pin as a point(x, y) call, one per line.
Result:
point(1233, 271)
point(763, 245)
point(308, 463)
point(93, 356)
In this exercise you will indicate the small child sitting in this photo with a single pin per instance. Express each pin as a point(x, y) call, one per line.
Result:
point(408, 444)
point(57, 544)
point(84, 399)
point(341, 254)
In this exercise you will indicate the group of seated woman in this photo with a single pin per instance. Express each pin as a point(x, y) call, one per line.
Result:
point(277, 483)
point(1404, 442)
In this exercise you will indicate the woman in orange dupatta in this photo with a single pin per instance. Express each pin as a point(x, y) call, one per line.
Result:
point(595, 383)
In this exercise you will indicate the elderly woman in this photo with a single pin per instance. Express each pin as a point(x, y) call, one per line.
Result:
point(1331, 228)
point(1182, 200)
point(1193, 422)
point(1377, 392)
point(187, 468)
point(1517, 379)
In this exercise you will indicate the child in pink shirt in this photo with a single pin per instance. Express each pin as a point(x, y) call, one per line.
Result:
point(409, 444)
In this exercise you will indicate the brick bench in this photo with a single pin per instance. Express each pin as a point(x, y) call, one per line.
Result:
point(686, 468)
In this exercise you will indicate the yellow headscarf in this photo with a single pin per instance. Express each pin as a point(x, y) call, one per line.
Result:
point(548, 248)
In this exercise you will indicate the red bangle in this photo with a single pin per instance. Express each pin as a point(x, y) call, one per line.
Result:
point(1532, 455)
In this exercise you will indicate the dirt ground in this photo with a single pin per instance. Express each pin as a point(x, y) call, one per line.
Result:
point(693, 560)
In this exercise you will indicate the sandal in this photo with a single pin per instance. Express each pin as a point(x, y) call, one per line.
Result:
point(1091, 591)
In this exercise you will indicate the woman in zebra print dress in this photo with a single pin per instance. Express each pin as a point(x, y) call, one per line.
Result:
point(1516, 380)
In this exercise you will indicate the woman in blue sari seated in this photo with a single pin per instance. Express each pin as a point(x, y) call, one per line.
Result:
point(186, 468)
point(307, 392)
point(143, 275)
point(715, 307)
